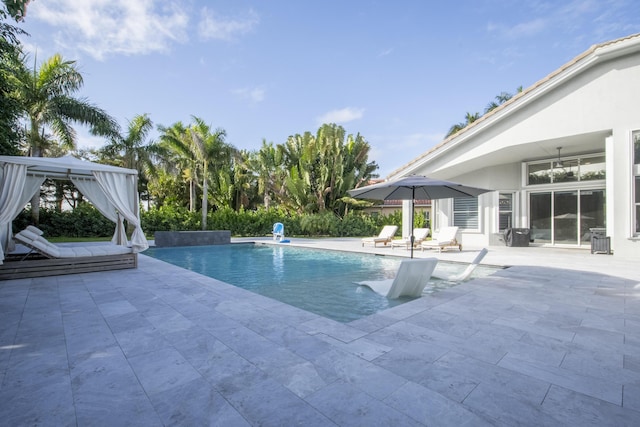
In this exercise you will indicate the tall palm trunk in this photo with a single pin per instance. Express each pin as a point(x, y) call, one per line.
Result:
point(35, 200)
point(205, 193)
point(192, 195)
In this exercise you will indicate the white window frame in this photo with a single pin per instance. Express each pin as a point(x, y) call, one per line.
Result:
point(513, 210)
point(469, 212)
point(635, 138)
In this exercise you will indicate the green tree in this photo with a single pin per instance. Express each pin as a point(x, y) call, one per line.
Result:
point(469, 118)
point(10, 134)
point(17, 8)
point(210, 149)
point(46, 96)
point(47, 102)
point(204, 157)
point(133, 150)
point(321, 168)
point(472, 117)
point(266, 165)
point(178, 158)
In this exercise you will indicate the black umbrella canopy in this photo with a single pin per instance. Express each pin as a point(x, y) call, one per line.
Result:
point(415, 187)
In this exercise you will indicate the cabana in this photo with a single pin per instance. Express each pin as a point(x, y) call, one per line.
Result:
point(112, 190)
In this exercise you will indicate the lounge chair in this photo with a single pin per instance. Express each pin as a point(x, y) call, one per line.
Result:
point(385, 236)
point(467, 272)
point(446, 238)
point(278, 231)
point(31, 237)
point(56, 260)
point(413, 275)
point(419, 235)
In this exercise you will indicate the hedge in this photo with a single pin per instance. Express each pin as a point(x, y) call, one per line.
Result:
point(86, 221)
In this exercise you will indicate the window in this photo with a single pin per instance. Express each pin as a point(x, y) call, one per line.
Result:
point(587, 168)
point(636, 172)
point(539, 173)
point(592, 168)
point(465, 213)
point(505, 211)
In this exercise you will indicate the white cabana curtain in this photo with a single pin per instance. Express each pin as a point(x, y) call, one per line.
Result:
point(15, 192)
point(92, 191)
point(121, 191)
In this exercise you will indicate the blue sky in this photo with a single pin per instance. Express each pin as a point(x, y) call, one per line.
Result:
point(398, 72)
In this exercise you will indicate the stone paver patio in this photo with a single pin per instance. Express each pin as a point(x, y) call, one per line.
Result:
point(553, 340)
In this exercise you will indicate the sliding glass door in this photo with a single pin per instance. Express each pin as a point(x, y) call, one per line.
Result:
point(565, 217)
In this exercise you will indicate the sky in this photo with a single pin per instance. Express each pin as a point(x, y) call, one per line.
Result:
point(400, 73)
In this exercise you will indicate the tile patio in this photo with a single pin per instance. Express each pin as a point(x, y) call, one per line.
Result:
point(553, 340)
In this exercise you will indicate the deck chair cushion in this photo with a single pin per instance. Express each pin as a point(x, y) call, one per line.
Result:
point(42, 245)
point(29, 234)
point(35, 230)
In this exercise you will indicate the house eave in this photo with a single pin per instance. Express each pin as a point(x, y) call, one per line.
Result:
point(595, 55)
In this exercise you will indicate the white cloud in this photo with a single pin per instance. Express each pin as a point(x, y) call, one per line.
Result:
point(523, 29)
point(255, 95)
point(344, 115)
point(385, 52)
point(213, 26)
point(106, 27)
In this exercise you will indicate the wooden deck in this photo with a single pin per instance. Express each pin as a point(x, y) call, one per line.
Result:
point(41, 267)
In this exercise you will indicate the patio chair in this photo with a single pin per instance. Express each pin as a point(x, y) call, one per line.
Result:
point(278, 231)
point(54, 260)
point(31, 237)
point(385, 236)
point(446, 238)
point(419, 235)
point(467, 272)
point(413, 275)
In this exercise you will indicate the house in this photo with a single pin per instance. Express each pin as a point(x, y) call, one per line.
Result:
point(562, 156)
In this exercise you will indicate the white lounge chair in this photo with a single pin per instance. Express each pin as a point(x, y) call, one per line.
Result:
point(56, 260)
point(278, 231)
point(385, 236)
point(419, 235)
point(413, 275)
point(467, 272)
point(31, 237)
point(446, 238)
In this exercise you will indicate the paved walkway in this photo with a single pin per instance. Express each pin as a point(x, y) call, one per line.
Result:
point(553, 340)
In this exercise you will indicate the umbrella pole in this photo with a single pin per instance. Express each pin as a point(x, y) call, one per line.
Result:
point(413, 195)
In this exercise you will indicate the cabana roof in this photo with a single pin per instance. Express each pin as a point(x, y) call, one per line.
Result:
point(63, 167)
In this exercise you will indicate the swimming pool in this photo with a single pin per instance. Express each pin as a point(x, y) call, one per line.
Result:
point(319, 281)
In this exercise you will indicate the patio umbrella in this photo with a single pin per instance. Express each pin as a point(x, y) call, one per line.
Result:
point(415, 187)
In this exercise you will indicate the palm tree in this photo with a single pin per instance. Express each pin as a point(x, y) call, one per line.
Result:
point(9, 108)
point(499, 100)
point(266, 163)
point(17, 8)
point(179, 158)
point(196, 148)
point(46, 98)
point(469, 118)
point(133, 150)
point(209, 148)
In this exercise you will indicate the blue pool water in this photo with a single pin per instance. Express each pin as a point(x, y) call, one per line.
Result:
point(319, 281)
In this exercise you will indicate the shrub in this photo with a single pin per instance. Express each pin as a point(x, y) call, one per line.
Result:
point(87, 221)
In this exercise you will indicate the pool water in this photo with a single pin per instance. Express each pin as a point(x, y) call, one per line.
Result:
point(319, 281)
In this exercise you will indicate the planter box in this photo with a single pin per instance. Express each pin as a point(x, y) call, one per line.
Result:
point(192, 238)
